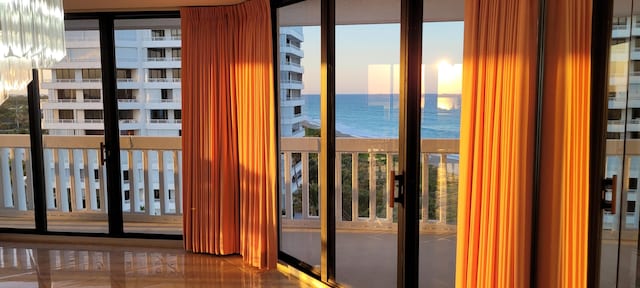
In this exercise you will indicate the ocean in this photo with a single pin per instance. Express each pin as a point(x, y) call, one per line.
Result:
point(376, 115)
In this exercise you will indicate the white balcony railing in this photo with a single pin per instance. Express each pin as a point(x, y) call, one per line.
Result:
point(75, 185)
point(72, 165)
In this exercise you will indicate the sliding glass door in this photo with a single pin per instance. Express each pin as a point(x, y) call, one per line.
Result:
point(111, 125)
point(73, 134)
point(367, 107)
point(394, 182)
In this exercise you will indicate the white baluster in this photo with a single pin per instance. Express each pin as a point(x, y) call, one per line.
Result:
point(49, 178)
point(149, 197)
point(94, 183)
point(6, 178)
point(75, 186)
point(389, 182)
point(29, 191)
point(287, 185)
point(162, 183)
point(181, 179)
point(20, 193)
point(338, 184)
point(305, 185)
point(425, 187)
point(372, 187)
point(354, 187)
point(442, 188)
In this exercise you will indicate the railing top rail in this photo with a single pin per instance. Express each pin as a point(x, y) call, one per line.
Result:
point(374, 145)
point(15, 141)
point(93, 142)
point(304, 144)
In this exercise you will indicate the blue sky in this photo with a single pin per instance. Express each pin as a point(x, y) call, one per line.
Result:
point(358, 46)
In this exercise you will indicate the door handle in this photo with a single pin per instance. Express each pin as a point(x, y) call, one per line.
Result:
point(102, 152)
point(396, 181)
point(610, 183)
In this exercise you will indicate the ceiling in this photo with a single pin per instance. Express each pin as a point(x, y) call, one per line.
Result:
point(368, 11)
point(138, 5)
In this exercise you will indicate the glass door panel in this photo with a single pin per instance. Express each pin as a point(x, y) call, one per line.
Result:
point(367, 112)
point(73, 129)
point(299, 56)
point(148, 62)
point(619, 250)
point(442, 45)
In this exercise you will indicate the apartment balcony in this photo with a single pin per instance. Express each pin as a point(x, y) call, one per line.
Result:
point(162, 41)
point(164, 124)
point(164, 104)
point(128, 62)
point(128, 83)
point(622, 79)
point(72, 84)
point(129, 124)
point(621, 30)
point(291, 84)
point(634, 77)
point(617, 102)
point(162, 83)
point(295, 32)
point(292, 49)
point(635, 53)
point(129, 104)
point(291, 66)
point(616, 126)
point(75, 104)
point(635, 29)
point(73, 124)
point(162, 62)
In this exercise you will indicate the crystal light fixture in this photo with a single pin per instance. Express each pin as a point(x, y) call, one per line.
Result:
point(31, 37)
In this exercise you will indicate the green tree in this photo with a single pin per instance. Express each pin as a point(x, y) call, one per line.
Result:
point(14, 115)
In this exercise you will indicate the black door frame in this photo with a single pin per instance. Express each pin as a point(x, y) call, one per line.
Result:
point(600, 46)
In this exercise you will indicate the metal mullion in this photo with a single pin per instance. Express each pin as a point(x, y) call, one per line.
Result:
point(111, 125)
point(409, 140)
point(601, 37)
point(327, 141)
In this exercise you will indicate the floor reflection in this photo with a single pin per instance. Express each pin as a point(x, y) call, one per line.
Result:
point(40, 265)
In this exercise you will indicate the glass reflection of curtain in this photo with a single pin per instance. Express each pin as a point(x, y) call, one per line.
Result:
point(497, 141)
point(229, 132)
point(564, 192)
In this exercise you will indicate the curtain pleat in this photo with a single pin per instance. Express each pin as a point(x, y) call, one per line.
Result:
point(564, 198)
point(496, 143)
point(228, 137)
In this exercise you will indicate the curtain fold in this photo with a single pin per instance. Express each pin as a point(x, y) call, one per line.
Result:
point(228, 137)
point(496, 143)
point(564, 195)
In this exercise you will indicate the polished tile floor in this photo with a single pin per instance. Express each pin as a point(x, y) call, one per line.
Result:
point(79, 265)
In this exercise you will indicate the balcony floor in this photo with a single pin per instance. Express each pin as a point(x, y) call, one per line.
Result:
point(63, 224)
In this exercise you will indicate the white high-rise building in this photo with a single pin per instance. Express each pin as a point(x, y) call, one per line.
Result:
point(291, 101)
point(149, 88)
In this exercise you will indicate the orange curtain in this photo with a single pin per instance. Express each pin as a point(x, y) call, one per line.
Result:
point(564, 198)
point(497, 134)
point(228, 138)
point(496, 143)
